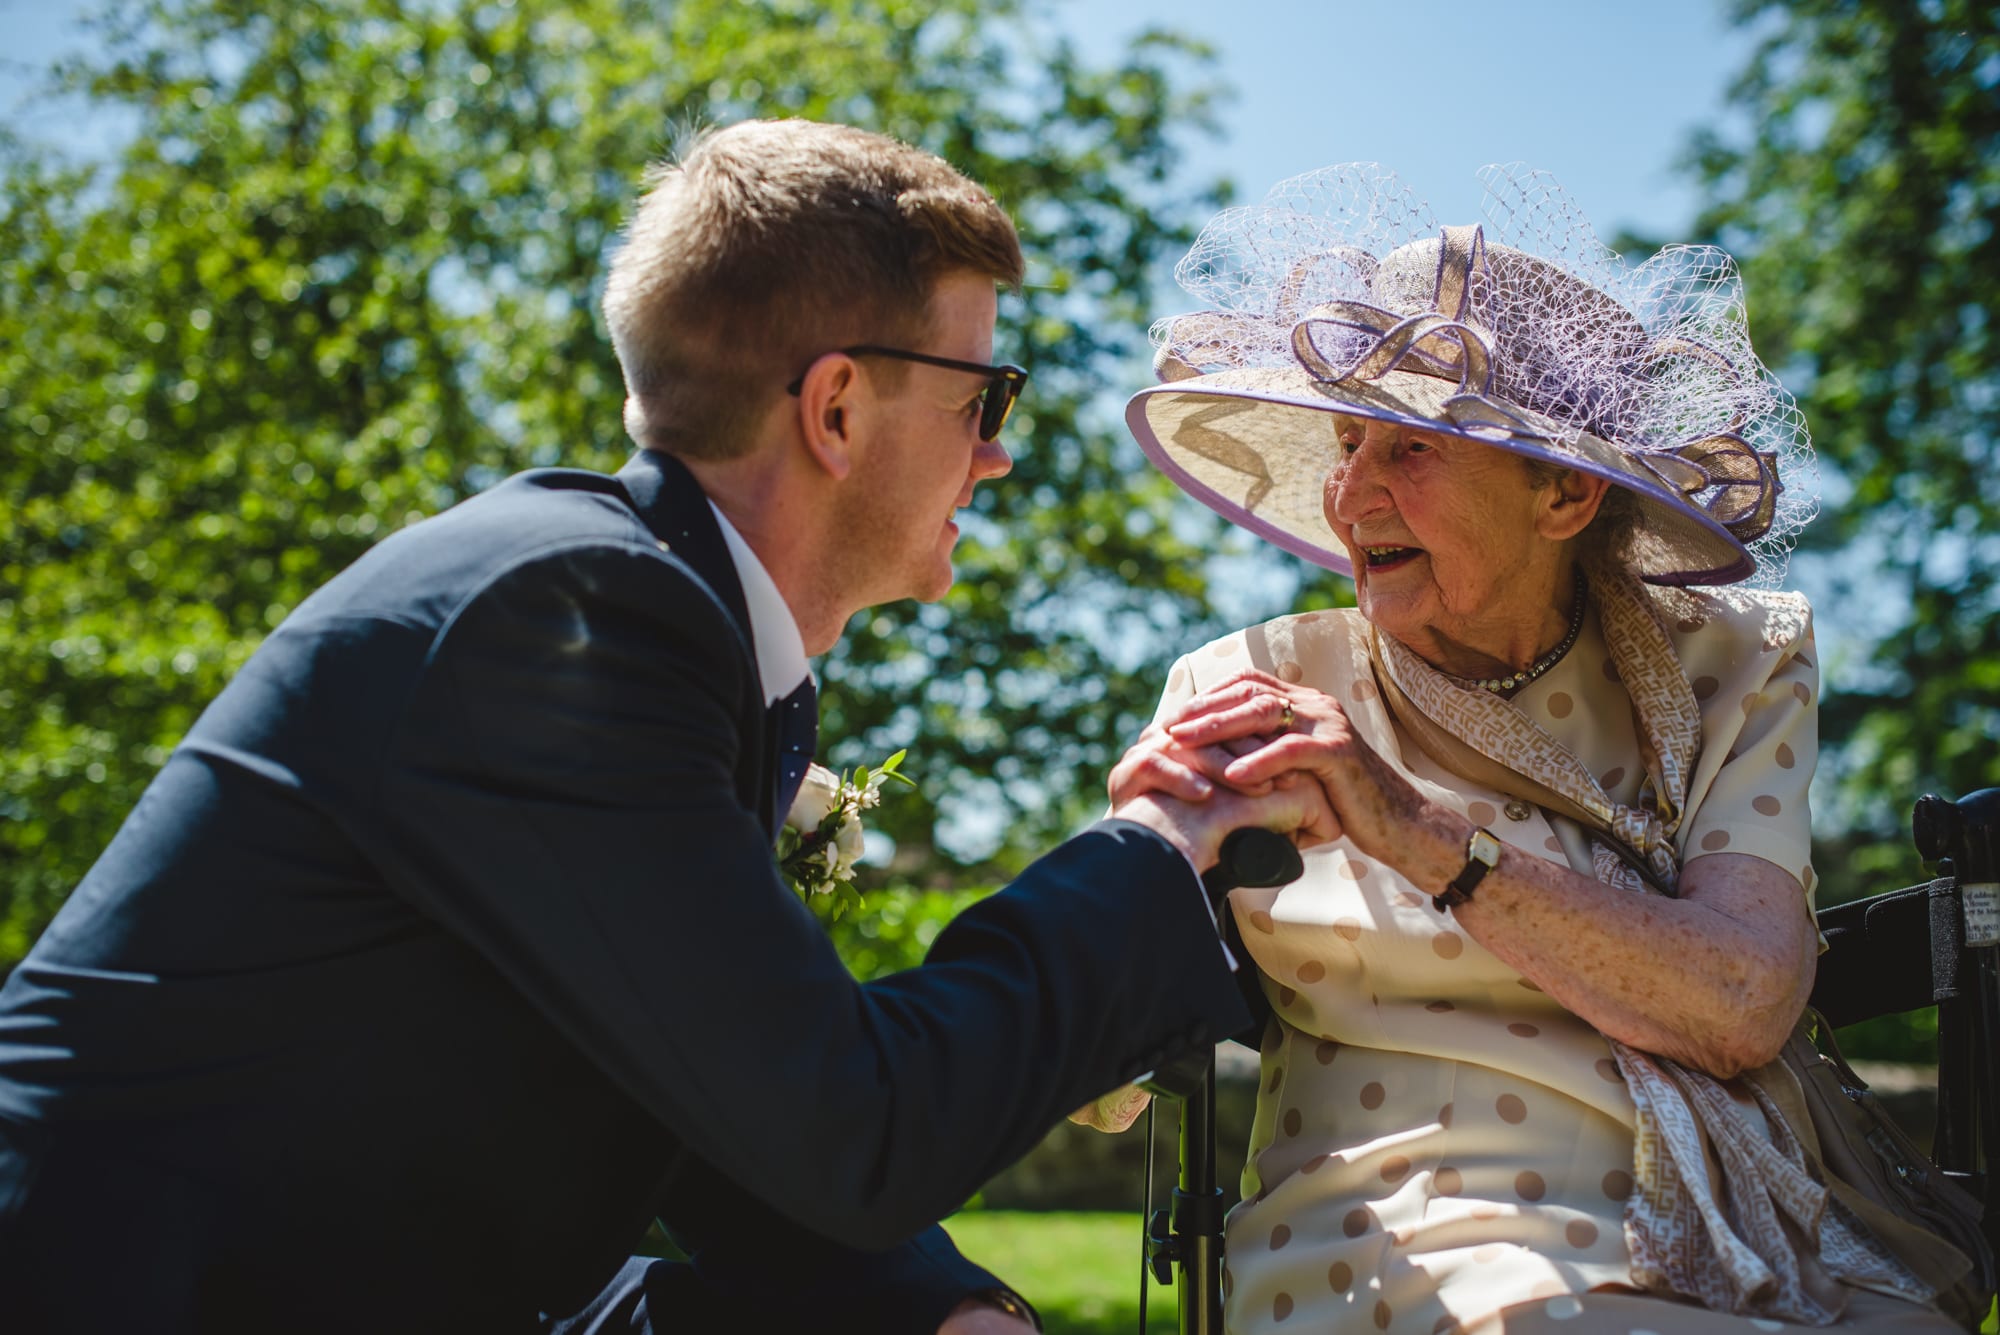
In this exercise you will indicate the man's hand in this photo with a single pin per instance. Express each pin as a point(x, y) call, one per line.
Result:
point(1297, 810)
point(977, 1317)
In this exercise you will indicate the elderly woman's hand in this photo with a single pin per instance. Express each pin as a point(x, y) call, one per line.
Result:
point(1278, 729)
point(1160, 763)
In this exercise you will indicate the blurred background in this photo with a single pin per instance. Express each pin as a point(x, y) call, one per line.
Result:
point(276, 280)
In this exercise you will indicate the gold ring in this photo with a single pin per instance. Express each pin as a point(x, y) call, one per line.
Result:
point(1286, 718)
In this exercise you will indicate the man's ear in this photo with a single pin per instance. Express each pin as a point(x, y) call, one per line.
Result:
point(1569, 503)
point(829, 394)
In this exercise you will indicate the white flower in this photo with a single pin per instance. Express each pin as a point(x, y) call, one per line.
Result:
point(818, 793)
point(848, 843)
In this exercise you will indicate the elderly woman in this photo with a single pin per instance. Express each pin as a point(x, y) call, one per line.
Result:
point(1514, 1076)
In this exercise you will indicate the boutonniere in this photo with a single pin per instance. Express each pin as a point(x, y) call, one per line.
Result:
point(823, 838)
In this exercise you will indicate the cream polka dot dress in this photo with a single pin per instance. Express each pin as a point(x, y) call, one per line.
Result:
point(1435, 1139)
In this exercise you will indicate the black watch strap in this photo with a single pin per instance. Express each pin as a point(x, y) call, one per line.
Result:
point(1482, 854)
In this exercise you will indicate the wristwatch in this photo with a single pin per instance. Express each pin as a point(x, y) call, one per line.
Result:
point(1482, 854)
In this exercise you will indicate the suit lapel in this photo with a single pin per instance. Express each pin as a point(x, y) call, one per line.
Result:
point(673, 505)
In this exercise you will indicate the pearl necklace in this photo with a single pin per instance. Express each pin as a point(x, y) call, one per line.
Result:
point(1503, 685)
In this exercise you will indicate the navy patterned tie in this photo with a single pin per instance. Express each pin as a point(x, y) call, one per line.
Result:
point(795, 723)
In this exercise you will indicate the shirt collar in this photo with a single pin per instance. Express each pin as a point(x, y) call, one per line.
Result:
point(781, 652)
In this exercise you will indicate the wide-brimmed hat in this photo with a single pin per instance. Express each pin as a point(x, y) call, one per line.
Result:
point(1340, 294)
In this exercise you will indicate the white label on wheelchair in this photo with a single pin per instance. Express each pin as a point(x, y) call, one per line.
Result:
point(1982, 913)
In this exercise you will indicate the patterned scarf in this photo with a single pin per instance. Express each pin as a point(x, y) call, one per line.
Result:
point(1760, 1237)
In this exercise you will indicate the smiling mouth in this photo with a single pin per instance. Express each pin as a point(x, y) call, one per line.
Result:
point(1386, 558)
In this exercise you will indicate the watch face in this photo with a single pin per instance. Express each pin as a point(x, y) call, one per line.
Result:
point(1484, 848)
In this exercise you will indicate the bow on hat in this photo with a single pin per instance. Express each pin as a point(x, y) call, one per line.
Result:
point(1444, 343)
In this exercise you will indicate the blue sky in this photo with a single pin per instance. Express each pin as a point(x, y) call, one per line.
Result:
point(1603, 94)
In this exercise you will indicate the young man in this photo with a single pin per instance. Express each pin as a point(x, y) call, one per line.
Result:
point(447, 950)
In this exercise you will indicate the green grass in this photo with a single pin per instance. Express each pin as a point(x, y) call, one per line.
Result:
point(1081, 1271)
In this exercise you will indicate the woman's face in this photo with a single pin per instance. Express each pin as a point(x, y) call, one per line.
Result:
point(1446, 541)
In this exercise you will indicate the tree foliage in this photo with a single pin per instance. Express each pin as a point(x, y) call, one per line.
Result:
point(346, 273)
point(1865, 200)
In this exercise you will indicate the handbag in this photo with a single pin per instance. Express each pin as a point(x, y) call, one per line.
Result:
point(1874, 1170)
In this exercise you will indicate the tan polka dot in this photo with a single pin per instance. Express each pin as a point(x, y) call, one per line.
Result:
point(1281, 1307)
point(1286, 996)
point(1228, 648)
point(1804, 692)
point(1339, 1275)
point(1786, 757)
point(1529, 984)
point(1352, 869)
point(1177, 679)
point(1561, 704)
point(1489, 1253)
point(1608, 1070)
point(1448, 945)
point(1447, 1181)
point(1715, 840)
point(1410, 899)
point(1613, 777)
point(1262, 922)
point(1705, 687)
point(1563, 1306)
point(1363, 689)
point(1511, 1109)
point(1485, 1212)
point(1311, 972)
point(1293, 1121)
point(1372, 1095)
point(1314, 1164)
point(1481, 813)
point(1444, 1116)
point(1323, 1054)
point(1553, 844)
point(1290, 672)
point(1617, 1184)
point(1277, 1078)
point(1348, 928)
point(1803, 660)
point(1383, 1316)
point(1766, 805)
point(1440, 1007)
point(1394, 1169)
point(1733, 756)
point(1581, 1233)
point(1749, 703)
point(1689, 625)
point(1280, 1235)
point(1610, 670)
point(1522, 1029)
point(1547, 1288)
point(1355, 1222)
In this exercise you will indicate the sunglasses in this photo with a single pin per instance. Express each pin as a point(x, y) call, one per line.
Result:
point(1003, 383)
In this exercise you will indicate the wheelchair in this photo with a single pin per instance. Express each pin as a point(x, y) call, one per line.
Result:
point(1934, 944)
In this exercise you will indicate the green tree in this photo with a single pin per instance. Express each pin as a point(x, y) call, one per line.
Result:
point(1865, 199)
point(346, 273)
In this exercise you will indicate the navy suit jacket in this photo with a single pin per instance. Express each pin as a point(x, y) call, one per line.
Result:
point(447, 950)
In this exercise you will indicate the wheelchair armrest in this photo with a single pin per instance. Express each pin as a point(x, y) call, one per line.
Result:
point(1888, 953)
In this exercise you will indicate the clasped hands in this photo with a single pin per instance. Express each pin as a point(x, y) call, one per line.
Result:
point(1258, 751)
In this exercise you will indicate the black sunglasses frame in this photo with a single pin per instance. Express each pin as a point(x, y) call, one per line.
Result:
point(1003, 383)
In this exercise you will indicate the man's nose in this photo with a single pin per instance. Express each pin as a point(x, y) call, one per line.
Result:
point(991, 460)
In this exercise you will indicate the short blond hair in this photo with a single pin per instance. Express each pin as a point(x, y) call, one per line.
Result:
point(769, 243)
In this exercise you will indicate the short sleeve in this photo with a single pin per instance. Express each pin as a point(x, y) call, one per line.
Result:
point(1757, 802)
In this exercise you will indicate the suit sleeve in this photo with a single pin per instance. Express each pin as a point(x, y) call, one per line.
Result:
point(563, 796)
